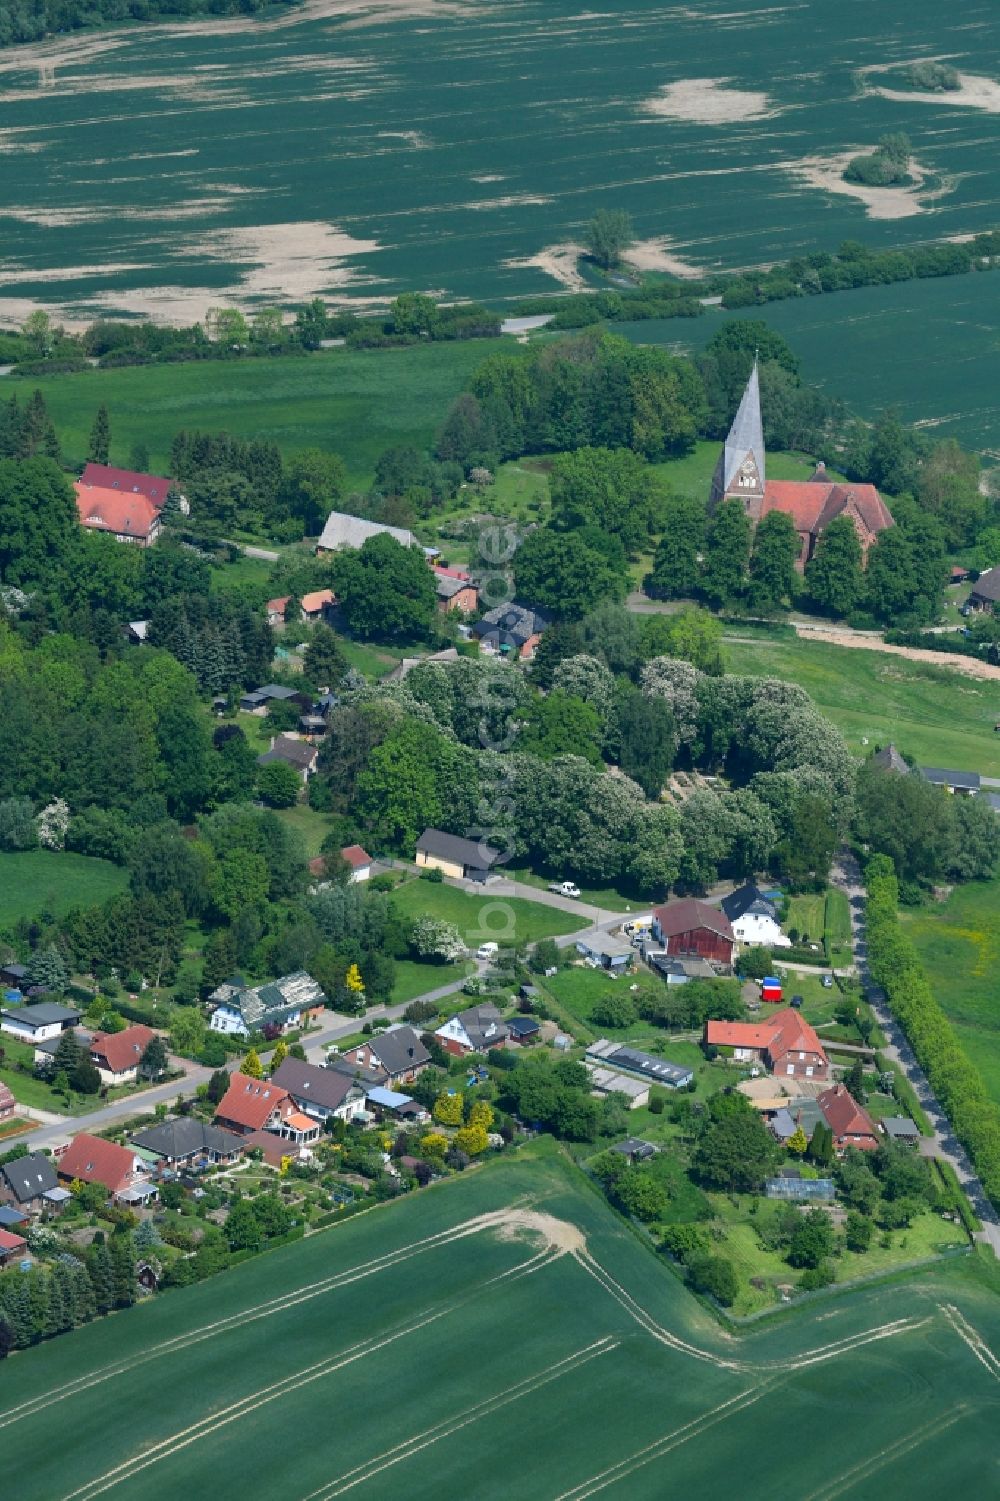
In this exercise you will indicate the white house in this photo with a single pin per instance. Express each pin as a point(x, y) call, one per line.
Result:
point(473, 1031)
point(360, 862)
point(38, 1023)
point(754, 919)
point(241, 1009)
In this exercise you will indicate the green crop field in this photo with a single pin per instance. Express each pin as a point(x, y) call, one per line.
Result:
point(959, 944)
point(355, 156)
point(357, 403)
point(428, 1344)
point(940, 717)
point(37, 881)
point(489, 915)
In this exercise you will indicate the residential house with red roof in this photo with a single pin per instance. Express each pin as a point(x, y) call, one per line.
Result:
point(691, 927)
point(783, 1043)
point(360, 862)
point(850, 1123)
point(91, 1159)
point(127, 516)
point(251, 1105)
point(155, 487)
point(455, 590)
point(117, 1055)
point(812, 504)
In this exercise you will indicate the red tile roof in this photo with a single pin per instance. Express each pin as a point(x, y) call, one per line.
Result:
point(250, 1102)
point(127, 515)
point(298, 1121)
point(273, 1147)
point(355, 856)
point(11, 1242)
point(277, 606)
point(315, 601)
point(784, 1032)
point(688, 913)
point(107, 477)
point(93, 1160)
point(813, 505)
point(844, 1115)
point(452, 573)
point(118, 1051)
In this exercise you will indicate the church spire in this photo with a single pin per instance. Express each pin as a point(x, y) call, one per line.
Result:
point(739, 474)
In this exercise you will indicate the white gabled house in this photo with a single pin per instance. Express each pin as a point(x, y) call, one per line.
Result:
point(754, 919)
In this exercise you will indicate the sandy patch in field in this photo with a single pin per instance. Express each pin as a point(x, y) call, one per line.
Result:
point(512, 200)
point(656, 255)
point(61, 52)
point(14, 142)
point(970, 666)
point(286, 262)
point(708, 101)
point(827, 174)
point(489, 177)
point(560, 1235)
point(11, 274)
point(557, 261)
point(975, 92)
point(415, 139)
point(14, 310)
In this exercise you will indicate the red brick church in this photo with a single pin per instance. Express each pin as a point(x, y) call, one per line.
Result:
point(812, 504)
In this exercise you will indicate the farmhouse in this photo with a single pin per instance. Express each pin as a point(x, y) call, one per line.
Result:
point(251, 1105)
point(319, 1092)
point(292, 1001)
point(155, 487)
point(117, 1055)
point(91, 1159)
point(127, 517)
point(812, 504)
point(342, 530)
point(754, 918)
point(690, 927)
point(785, 1044)
point(38, 1023)
point(851, 1125)
point(510, 630)
point(473, 1031)
point(189, 1143)
point(300, 755)
point(467, 859)
point(398, 1054)
point(613, 1055)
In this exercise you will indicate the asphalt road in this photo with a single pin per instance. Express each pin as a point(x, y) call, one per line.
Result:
point(847, 876)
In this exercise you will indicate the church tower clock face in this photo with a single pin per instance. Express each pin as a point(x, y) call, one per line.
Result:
point(748, 478)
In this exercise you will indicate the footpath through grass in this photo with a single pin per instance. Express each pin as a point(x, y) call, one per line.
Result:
point(938, 716)
point(35, 881)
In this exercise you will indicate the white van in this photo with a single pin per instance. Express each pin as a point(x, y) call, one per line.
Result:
point(487, 951)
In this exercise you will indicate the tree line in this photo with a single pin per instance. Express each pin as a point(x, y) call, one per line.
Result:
point(956, 1081)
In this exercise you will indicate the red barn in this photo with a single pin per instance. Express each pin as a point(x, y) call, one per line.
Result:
point(692, 927)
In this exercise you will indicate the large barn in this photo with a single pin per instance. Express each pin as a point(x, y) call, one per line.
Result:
point(812, 504)
point(692, 927)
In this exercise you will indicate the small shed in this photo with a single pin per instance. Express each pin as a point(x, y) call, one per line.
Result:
point(635, 1149)
point(901, 1128)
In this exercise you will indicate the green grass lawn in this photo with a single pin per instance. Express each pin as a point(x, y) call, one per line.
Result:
point(585, 1347)
point(806, 914)
point(959, 944)
point(36, 881)
point(937, 716)
point(483, 918)
point(357, 403)
point(374, 661)
point(312, 827)
point(607, 897)
point(415, 979)
point(838, 925)
point(578, 990)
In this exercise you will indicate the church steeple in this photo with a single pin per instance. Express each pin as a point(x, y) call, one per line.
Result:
point(739, 474)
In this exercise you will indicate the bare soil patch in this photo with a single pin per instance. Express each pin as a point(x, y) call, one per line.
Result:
point(975, 92)
point(557, 261)
point(657, 255)
point(827, 174)
point(708, 101)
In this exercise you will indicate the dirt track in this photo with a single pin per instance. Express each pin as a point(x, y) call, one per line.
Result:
point(970, 666)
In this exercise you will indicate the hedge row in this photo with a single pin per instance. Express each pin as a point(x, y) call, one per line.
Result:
point(955, 1080)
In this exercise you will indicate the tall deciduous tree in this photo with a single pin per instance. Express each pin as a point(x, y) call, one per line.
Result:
point(568, 574)
point(727, 554)
point(833, 575)
point(674, 574)
point(608, 235)
point(385, 590)
point(772, 564)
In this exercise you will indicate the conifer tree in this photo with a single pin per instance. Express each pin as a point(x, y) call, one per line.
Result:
point(100, 437)
point(252, 1066)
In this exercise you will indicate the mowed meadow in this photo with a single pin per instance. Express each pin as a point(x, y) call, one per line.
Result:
point(458, 146)
point(503, 1334)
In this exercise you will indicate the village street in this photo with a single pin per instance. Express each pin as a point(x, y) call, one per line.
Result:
point(847, 875)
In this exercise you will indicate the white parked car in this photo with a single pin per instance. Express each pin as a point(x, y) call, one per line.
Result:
point(565, 888)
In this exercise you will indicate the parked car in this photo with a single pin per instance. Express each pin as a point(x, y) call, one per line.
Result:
point(487, 951)
point(827, 982)
point(564, 888)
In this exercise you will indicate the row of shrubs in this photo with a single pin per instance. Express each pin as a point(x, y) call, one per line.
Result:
point(956, 1081)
